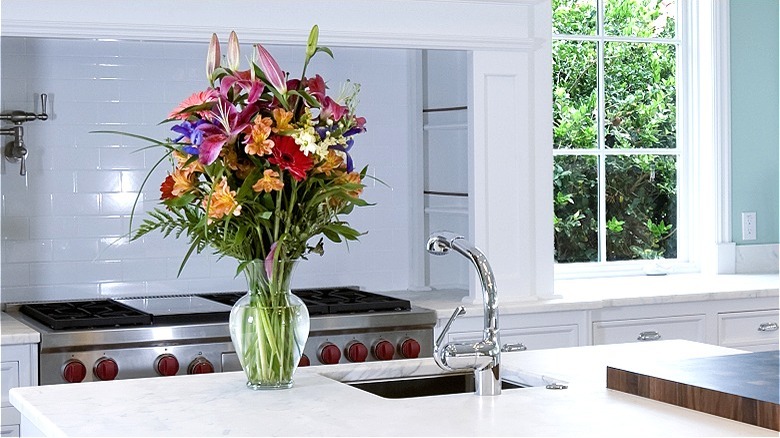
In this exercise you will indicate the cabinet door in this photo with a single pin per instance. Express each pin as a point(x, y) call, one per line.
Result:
point(9, 375)
point(688, 327)
point(531, 338)
point(754, 331)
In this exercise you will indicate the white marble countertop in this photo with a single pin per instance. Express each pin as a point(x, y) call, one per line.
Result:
point(598, 293)
point(13, 332)
point(318, 405)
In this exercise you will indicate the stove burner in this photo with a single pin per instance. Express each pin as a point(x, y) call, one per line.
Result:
point(83, 314)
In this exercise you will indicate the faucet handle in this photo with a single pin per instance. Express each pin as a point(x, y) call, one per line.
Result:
point(460, 310)
point(43, 115)
point(507, 348)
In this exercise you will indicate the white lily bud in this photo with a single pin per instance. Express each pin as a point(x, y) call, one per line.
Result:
point(213, 56)
point(233, 55)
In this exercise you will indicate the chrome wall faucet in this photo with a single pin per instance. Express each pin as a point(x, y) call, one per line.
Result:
point(483, 357)
point(15, 150)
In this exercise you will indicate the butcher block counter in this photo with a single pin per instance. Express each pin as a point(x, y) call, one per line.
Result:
point(320, 405)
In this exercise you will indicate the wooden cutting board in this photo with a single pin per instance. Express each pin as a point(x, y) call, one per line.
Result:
point(741, 387)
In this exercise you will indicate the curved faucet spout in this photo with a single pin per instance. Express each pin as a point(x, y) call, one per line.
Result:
point(483, 356)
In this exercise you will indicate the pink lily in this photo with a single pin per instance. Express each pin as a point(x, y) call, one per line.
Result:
point(269, 261)
point(245, 81)
point(271, 69)
point(317, 87)
point(330, 107)
point(230, 123)
point(213, 56)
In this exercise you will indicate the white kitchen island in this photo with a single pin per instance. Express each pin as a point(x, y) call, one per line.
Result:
point(320, 405)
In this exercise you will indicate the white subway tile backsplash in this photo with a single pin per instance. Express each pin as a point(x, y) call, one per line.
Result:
point(15, 274)
point(76, 204)
point(17, 251)
point(65, 228)
point(52, 227)
point(74, 249)
point(95, 181)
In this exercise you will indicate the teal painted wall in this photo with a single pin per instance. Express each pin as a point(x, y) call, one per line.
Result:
point(755, 117)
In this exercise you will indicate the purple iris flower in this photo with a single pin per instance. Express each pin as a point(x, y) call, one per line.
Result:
point(189, 130)
point(346, 149)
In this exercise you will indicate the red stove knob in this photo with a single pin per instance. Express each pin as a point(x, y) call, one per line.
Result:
point(74, 371)
point(304, 362)
point(105, 369)
point(166, 364)
point(329, 353)
point(384, 350)
point(410, 348)
point(200, 365)
point(356, 351)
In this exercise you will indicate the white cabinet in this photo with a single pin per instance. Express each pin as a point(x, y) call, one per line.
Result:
point(535, 331)
point(19, 367)
point(752, 330)
point(688, 327)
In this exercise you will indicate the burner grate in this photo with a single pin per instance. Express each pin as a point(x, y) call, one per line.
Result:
point(335, 300)
point(85, 314)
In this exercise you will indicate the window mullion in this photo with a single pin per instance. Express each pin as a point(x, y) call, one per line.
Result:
point(600, 118)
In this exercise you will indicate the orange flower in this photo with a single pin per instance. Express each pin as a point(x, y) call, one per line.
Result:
point(353, 178)
point(269, 182)
point(182, 183)
point(257, 143)
point(282, 118)
point(188, 169)
point(221, 202)
point(333, 161)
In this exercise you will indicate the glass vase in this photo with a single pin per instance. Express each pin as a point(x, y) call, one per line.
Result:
point(269, 326)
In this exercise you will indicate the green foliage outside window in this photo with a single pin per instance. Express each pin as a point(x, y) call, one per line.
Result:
point(639, 113)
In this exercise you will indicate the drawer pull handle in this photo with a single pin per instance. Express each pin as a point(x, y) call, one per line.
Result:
point(768, 327)
point(513, 347)
point(649, 336)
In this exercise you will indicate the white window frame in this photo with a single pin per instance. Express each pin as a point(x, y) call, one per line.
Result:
point(703, 171)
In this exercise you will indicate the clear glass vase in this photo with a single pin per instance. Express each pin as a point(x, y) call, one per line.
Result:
point(269, 326)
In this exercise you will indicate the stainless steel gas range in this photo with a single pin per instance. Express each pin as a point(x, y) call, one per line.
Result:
point(131, 338)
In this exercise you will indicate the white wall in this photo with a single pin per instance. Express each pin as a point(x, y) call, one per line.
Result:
point(59, 223)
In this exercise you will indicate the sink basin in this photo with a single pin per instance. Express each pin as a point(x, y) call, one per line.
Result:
point(425, 386)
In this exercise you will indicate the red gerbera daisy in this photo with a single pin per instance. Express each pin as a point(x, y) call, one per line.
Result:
point(288, 156)
point(166, 189)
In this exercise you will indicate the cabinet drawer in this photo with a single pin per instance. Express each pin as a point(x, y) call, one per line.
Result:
point(689, 327)
point(532, 338)
point(9, 375)
point(11, 430)
point(745, 329)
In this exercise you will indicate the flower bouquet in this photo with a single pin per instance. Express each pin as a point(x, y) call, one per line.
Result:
point(261, 165)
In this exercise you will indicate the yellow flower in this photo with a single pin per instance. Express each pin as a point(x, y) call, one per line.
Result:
point(182, 182)
point(258, 143)
point(269, 182)
point(282, 118)
point(221, 202)
point(333, 162)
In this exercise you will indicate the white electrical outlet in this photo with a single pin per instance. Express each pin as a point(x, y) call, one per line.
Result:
point(749, 225)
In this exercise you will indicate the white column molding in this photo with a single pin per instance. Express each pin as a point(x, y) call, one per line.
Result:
point(511, 165)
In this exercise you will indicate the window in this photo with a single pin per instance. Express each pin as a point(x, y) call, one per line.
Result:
point(618, 153)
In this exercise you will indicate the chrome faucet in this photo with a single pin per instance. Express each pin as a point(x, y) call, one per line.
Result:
point(483, 357)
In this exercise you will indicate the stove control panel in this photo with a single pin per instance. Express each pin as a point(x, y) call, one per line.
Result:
point(132, 363)
point(369, 346)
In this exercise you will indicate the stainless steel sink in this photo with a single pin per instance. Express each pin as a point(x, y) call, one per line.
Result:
point(424, 386)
